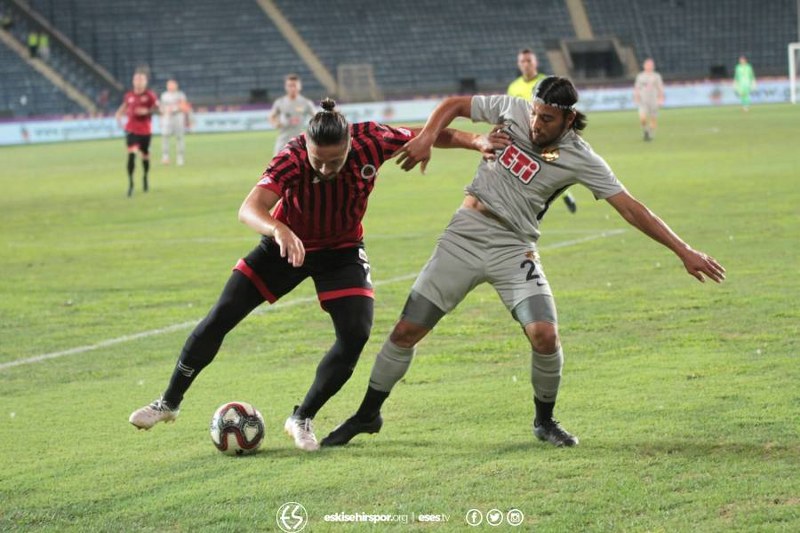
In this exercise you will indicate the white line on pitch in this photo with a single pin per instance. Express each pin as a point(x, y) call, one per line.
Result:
point(257, 311)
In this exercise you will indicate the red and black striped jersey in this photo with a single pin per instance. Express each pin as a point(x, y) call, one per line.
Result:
point(328, 213)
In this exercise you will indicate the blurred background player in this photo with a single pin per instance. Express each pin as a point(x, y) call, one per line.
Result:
point(138, 105)
point(291, 112)
point(648, 94)
point(174, 116)
point(524, 87)
point(744, 81)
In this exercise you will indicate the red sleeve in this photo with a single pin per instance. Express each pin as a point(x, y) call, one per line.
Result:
point(282, 167)
point(153, 99)
point(391, 139)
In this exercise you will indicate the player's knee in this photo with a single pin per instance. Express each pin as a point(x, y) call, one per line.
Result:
point(543, 336)
point(355, 333)
point(407, 334)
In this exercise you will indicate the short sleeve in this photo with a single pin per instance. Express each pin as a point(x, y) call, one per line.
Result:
point(598, 177)
point(279, 171)
point(391, 139)
point(491, 108)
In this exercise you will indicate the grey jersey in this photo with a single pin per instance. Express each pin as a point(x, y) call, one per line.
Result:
point(293, 115)
point(519, 185)
point(649, 85)
point(171, 102)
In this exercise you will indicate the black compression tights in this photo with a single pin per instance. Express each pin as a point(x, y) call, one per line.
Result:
point(352, 321)
point(238, 298)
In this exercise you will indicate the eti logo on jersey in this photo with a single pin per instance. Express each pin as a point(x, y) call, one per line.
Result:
point(519, 164)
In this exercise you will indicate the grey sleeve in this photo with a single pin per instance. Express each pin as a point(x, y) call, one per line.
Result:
point(597, 176)
point(277, 106)
point(489, 108)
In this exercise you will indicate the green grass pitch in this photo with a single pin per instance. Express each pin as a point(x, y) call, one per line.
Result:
point(685, 396)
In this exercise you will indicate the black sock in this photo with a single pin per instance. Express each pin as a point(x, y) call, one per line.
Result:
point(371, 404)
point(352, 321)
point(238, 298)
point(131, 166)
point(544, 410)
point(184, 374)
point(146, 165)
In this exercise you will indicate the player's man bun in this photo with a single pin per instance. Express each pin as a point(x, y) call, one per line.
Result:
point(328, 126)
point(328, 104)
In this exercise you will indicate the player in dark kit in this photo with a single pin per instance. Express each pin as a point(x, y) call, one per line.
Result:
point(138, 105)
point(319, 185)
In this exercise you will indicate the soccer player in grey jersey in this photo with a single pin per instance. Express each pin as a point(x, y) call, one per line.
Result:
point(174, 107)
point(648, 94)
point(492, 238)
point(291, 112)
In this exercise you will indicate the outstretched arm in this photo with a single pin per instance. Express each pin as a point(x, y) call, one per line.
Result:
point(255, 212)
point(639, 216)
point(418, 149)
point(486, 143)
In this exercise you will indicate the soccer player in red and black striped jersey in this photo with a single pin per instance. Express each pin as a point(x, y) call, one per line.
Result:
point(138, 105)
point(318, 186)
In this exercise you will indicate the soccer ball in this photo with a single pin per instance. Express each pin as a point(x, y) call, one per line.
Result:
point(237, 428)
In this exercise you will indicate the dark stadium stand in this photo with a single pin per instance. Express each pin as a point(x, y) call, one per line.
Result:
point(225, 51)
point(417, 46)
point(24, 92)
point(687, 38)
point(219, 51)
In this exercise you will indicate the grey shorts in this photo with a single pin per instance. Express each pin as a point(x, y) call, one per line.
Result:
point(174, 125)
point(648, 109)
point(475, 249)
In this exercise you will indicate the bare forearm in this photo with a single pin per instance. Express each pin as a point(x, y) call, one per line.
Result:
point(255, 212)
point(450, 138)
point(258, 220)
point(651, 225)
point(445, 113)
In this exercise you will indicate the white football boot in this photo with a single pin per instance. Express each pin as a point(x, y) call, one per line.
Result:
point(150, 415)
point(302, 431)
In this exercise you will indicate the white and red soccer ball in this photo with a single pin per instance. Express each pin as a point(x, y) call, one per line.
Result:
point(237, 428)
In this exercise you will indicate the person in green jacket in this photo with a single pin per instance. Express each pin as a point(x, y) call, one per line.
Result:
point(744, 81)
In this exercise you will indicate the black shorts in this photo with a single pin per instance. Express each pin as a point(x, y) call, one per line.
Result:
point(337, 273)
point(142, 141)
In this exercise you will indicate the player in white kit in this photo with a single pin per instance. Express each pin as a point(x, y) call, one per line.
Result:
point(648, 94)
point(291, 112)
point(492, 238)
point(174, 115)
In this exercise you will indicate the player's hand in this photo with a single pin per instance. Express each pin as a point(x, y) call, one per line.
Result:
point(415, 151)
point(495, 140)
point(290, 245)
point(697, 264)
